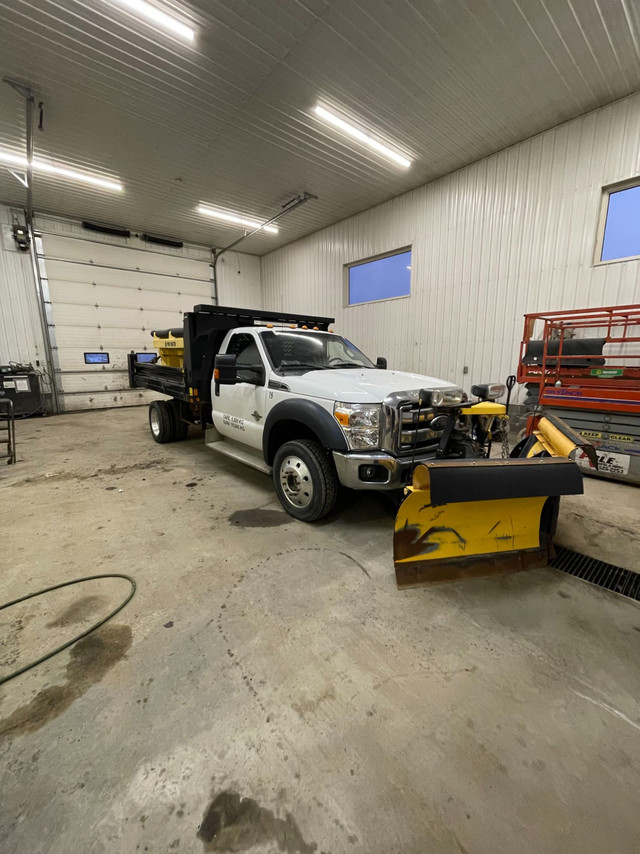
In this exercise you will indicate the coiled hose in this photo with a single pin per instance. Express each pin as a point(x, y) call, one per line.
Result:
point(69, 643)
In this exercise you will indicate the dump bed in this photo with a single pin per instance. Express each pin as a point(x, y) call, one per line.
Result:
point(188, 375)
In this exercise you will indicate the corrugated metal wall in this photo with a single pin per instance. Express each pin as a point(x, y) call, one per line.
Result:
point(512, 233)
point(20, 327)
point(239, 280)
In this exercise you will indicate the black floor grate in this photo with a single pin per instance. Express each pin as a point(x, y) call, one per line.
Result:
point(598, 572)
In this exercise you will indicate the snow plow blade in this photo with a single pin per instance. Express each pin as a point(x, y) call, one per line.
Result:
point(467, 519)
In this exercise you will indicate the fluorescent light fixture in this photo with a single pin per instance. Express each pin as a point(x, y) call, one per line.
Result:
point(235, 219)
point(62, 171)
point(361, 136)
point(156, 16)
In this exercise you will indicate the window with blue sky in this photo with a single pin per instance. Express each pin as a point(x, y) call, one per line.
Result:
point(381, 278)
point(622, 227)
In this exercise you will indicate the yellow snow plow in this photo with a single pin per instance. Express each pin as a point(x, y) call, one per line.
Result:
point(465, 518)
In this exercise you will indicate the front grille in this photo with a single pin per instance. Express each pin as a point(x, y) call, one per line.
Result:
point(413, 429)
point(598, 572)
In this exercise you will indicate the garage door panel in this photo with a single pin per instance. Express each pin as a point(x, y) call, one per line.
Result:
point(72, 359)
point(106, 399)
point(94, 381)
point(77, 293)
point(126, 280)
point(89, 339)
point(106, 297)
point(86, 252)
point(108, 318)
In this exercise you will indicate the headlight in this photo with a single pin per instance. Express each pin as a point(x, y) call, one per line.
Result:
point(361, 424)
point(488, 391)
point(446, 397)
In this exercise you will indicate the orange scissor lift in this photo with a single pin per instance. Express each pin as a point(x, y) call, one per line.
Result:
point(584, 365)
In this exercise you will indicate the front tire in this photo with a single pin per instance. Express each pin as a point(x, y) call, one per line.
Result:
point(161, 422)
point(305, 480)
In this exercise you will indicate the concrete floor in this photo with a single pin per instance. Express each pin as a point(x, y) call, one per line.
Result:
point(276, 662)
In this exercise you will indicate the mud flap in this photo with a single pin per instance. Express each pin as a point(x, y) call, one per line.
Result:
point(466, 519)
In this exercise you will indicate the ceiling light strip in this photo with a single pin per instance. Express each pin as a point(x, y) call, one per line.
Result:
point(361, 136)
point(235, 219)
point(156, 16)
point(61, 171)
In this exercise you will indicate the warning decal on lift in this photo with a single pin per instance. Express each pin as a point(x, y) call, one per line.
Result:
point(608, 462)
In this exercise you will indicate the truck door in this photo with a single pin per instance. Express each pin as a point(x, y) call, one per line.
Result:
point(239, 411)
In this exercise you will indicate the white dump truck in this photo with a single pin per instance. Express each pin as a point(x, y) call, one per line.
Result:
point(287, 395)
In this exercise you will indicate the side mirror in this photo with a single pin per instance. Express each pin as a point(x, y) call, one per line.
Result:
point(255, 375)
point(224, 370)
point(381, 363)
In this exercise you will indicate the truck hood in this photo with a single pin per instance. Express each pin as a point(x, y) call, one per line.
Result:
point(365, 385)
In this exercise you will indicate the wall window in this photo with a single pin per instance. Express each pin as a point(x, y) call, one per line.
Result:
point(621, 238)
point(386, 277)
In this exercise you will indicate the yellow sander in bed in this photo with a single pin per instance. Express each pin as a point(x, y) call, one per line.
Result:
point(170, 346)
point(466, 517)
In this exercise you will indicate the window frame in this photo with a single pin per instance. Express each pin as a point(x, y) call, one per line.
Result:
point(257, 342)
point(347, 267)
point(607, 190)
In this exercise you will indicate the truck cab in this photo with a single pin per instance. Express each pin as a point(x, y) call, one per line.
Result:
point(311, 407)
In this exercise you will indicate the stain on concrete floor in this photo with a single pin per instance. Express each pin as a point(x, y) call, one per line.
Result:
point(77, 611)
point(259, 518)
point(232, 823)
point(110, 471)
point(89, 660)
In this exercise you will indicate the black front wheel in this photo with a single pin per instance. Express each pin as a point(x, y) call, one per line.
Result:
point(305, 480)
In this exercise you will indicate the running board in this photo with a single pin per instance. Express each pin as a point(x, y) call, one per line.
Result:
point(228, 448)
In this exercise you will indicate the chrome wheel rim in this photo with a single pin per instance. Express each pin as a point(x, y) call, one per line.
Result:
point(295, 480)
point(154, 421)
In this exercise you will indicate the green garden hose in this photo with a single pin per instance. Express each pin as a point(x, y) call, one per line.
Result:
point(69, 643)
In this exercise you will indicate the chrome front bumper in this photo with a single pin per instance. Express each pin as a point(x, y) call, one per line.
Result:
point(391, 472)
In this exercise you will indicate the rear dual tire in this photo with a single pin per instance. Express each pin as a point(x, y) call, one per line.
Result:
point(165, 422)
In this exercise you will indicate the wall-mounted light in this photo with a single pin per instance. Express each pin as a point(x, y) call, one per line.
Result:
point(235, 219)
point(361, 136)
point(61, 171)
point(155, 16)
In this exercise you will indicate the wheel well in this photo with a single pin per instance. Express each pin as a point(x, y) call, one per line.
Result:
point(287, 431)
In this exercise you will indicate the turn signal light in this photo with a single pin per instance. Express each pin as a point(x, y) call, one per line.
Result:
point(216, 374)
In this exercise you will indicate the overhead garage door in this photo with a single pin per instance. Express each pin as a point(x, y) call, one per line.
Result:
point(105, 294)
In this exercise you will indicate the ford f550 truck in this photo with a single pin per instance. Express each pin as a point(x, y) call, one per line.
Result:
point(287, 395)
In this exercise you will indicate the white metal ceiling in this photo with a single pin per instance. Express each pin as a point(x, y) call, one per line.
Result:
point(228, 120)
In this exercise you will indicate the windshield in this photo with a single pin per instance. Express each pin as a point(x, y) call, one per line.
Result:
point(298, 352)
